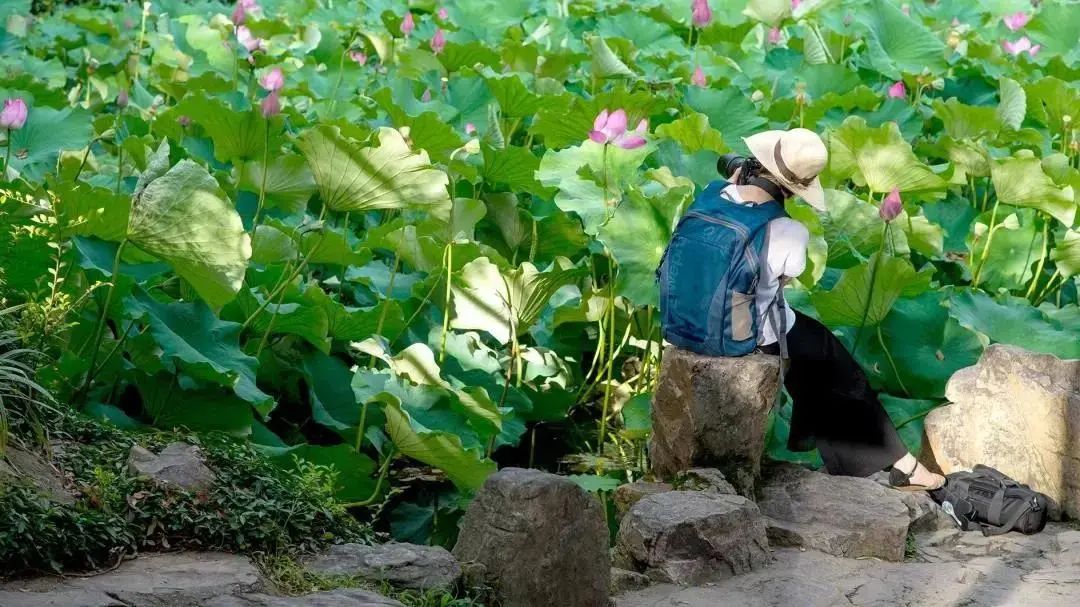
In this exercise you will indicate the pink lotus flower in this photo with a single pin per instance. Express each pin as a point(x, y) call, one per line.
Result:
point(898, 90)
point(700, 12)
point(698, 79)
point(611, 128)
point(1016, 21)
point(273, 80)
point(408, 24)
point(470, 128)
point(1023, 45)
point(795, 4)
point(13, 116)
point(438, 41)
point(774, 35)
point(249, 41)
point(271, 105)
point(243, 9)
point(891, 207)
point(443, 14)
point(359, 57)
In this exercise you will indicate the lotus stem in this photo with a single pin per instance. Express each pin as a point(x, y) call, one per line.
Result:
point(389, 296)
point(100, 331)
point(7, 156)
point(262, 182)
point(360, 426)
point(383, 470)
point(870, 291)
point(280, 287)
point(1042, 260)
point(611, 356)
point(986, 246)
point(892, 363)
point(448, 258)
point(1046, 290)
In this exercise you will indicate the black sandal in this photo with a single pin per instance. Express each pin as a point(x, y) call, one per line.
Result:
point(898, 479)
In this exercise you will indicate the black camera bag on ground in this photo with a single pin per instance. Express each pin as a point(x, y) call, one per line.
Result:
point(987, 500)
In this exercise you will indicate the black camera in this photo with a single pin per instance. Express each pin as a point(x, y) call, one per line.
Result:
point(750, 174)
point(729, 163)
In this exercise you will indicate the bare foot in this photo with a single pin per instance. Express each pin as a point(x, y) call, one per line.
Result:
point(908, 473)
point(927, 479)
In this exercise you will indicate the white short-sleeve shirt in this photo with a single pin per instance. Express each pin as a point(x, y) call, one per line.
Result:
point(786, 257)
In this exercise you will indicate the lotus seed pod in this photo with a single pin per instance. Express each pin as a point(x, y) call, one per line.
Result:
point(1066, 119)
point(757, 96)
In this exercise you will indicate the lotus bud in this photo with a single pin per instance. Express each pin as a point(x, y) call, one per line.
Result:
point(443, 14)
point(271, 105)
point(775, 34)
point(273, 80)
point(891, 207)
point(359, 57)
point(698, 79)
point(13, 116)
point(938, 84)
point(898, 90)
point(1016, 21)
point(700, 12)
point(438, 41)
point(408, 24)
point(184, 121)
point(1066, 118)
point(470, 128)
point(757, 96)
point(426, 97)
point(122, 99)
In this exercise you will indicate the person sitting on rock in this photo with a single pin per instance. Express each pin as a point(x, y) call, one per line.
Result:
point(834, 407)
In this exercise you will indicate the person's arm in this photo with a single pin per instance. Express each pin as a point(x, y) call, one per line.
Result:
point(788, 240)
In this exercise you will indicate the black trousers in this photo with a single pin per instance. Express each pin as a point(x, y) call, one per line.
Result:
point(833, 406)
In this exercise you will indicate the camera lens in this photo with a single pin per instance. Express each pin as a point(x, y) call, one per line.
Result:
point(728, 164)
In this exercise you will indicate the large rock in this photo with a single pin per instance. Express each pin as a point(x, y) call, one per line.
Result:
point(624, 580)
point(162, 580)
point(625, 496)
point(708, 480)
point(542, 539)
point(178, 464)
point(402, 565)
point(840, 515)
point(349, 597)
point(1018, 412)
point(712, 412)
point(690, 537)
point(58, 598)
point(32, 468)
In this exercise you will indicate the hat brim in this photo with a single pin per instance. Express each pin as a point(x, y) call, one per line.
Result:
point(761, 147)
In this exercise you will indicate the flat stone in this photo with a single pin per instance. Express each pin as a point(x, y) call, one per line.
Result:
point(625, 496)
point(542, 539)
point(178, 464)
point(59, 598)
point(399, 564)
point(34, 469)
point(624, 580)
point(926, 515)
point(1018, 577)
point(840, 515)
point(688, 537)
point(161, 580)
point(712, 412)
point(1019, 412)
point(350, 597)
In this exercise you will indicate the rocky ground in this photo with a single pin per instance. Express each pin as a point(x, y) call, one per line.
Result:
point(949, 567)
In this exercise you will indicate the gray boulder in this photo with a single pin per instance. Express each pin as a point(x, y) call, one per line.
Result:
point(349, 597)
point(708, 480)
point(178, 464)
point(58, 598)
point(402, 565)
point(840, 515)
point(32, 468)
point(712, 412)
point(625, 496)
point(624, 580)
point(690, 537)
point(542, 539)
point(1019, 412)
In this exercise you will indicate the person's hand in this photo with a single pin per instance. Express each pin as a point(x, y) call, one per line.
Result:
point(735, 176)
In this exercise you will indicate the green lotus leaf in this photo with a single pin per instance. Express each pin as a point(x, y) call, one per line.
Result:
point(817, 250)
point(924, 343)
point(194, 342)
point(208, 410)
point(515, 99)
point(853, 230)
point(1051, 99)
point(512, 167)
point(1066, 254)
point(271, 245)
point(1012, 105)
point(637, 235)
point(1021, 181)
point(466, 468)
point(86, 210)
point(237, 134)
point(1054, 27)
point(637, 416)
point(184, 218)
point(349, 323)
point(693, 133)
point(47, 132)
point(580, 173)
point(851, 302)
point(1013, 250)
point(769, 12)
point(729, 110)
point(386, 176)
point(1011, 320)
point(290, 315)
point(966, 121)
point(287, 182)
point(898, 44)
point(353, 478)
point(605, 63)
point(878, 158)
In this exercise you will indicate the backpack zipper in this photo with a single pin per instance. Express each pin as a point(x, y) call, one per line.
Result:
point(751, 257)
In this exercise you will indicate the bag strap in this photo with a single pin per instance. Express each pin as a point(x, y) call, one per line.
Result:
point(997, 504)
point(778, 304)
point(989, 530)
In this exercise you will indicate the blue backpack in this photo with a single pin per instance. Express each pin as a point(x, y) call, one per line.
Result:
point(709, 273)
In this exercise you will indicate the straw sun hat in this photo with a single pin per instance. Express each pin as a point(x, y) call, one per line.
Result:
point(794, 158)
